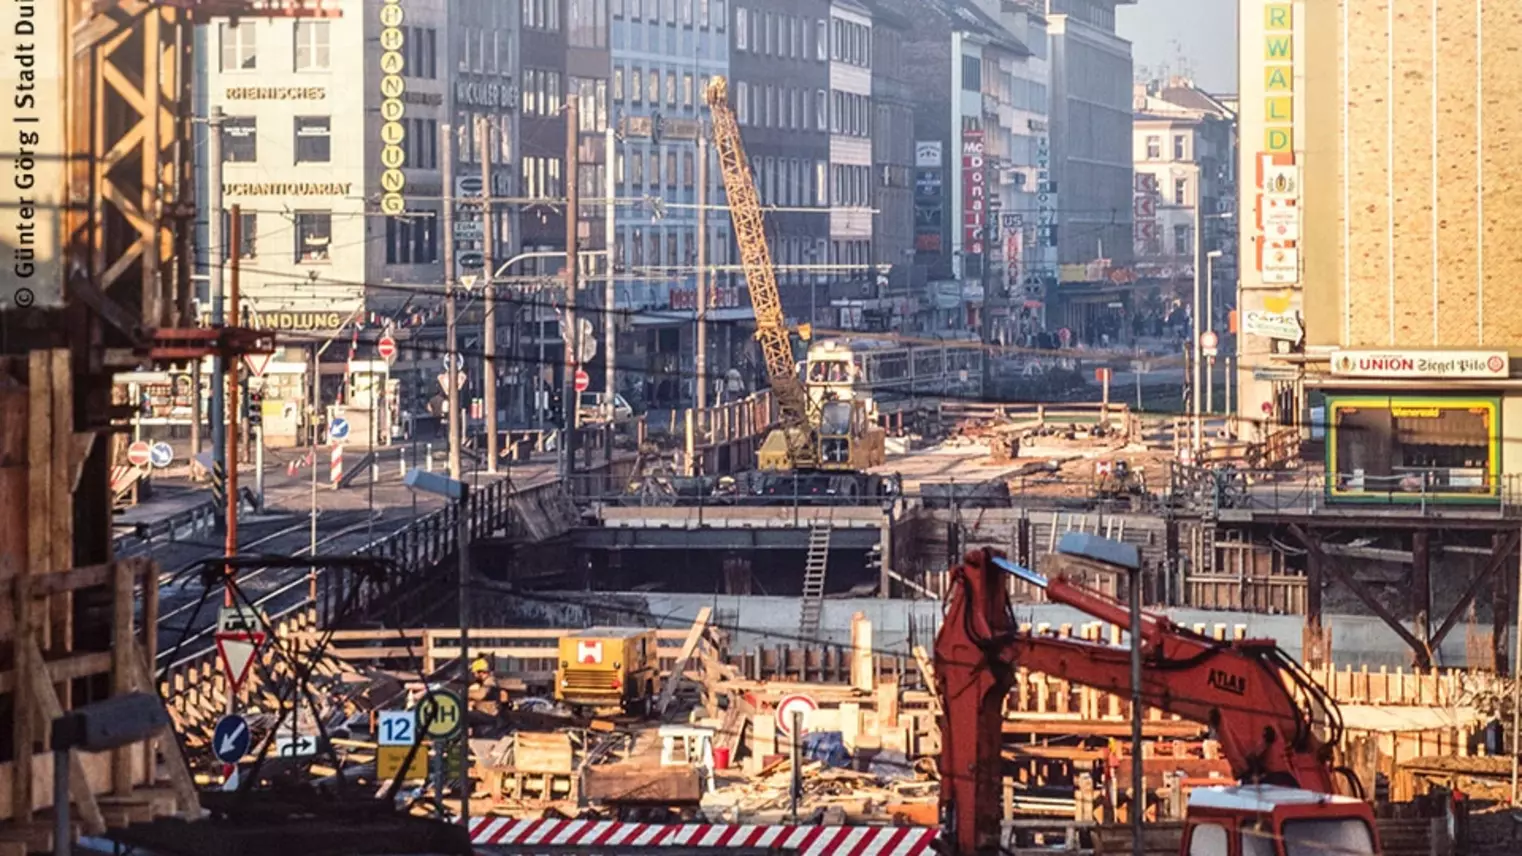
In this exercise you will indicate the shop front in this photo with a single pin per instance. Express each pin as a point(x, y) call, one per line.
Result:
point(1413, 449)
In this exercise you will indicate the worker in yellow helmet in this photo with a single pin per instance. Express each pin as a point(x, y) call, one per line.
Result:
point(484, 696)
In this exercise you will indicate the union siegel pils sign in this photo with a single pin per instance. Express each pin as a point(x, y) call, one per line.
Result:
point(1421, 364)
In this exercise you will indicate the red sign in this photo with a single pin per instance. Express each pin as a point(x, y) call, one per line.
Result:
point(257, 363)
point(974, 193)
point(801, 704)
point(386, 347)
point(237, 650)
point(582, 380)
point(718, 298)
point(139, 454)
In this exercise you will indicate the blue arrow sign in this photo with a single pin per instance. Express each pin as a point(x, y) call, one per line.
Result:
point(230, 740)
point(161, 454)
point(339, 428)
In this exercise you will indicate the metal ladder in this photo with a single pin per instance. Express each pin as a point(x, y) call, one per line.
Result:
point(813, 581)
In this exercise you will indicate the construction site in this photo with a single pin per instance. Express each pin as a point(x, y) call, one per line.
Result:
point(811, 621)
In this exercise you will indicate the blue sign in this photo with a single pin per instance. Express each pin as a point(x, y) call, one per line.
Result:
point(339, 429)
point(231, 739)
point(161, 454)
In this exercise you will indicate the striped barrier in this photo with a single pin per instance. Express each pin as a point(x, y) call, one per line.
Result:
point(801, 840)
point(336, 464)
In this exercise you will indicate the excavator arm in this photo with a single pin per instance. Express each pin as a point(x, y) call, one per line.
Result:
point(756, 259)
point(1248, 691)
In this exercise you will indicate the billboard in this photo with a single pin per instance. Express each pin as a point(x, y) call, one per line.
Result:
point(974, 193)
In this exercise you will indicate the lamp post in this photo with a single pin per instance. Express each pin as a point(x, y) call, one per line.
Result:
point(1208, 321)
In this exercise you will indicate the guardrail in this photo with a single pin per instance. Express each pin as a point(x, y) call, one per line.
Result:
point(1215, 490)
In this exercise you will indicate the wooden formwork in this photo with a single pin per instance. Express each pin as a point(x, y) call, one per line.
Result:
point(48, 661)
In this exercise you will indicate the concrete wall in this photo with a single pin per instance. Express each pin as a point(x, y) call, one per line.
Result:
point(767, 621)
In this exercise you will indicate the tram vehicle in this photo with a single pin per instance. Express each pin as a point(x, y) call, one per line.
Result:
point(892, 374)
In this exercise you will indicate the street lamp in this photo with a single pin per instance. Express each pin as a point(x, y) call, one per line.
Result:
point(1209, 324)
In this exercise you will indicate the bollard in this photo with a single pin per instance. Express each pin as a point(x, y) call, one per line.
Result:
point(428, 461)
point(401, 463)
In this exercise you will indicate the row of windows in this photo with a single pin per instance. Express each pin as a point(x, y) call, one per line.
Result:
point(853, 185)
point(645, 85)
point(313, 139)
point(541, 92)
point(851, 114)
point(313, 235)
point(589, 23)
point(1180, 147)
point(791, 182)
point(311, 48)
point(541, 15)
point(783, 36)
point(542, 178)
point(412, 239)
point(643, 246)
point(483, 51)
point(643, 169)
point(852, 43)
point(686, 12)
point(766, 106)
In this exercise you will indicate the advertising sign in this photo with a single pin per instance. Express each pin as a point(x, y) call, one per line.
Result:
point(1046, 195)
point(393, 62)
point(1421, 364)
point(974, 192)
point(1272, 325)
point(927, 153)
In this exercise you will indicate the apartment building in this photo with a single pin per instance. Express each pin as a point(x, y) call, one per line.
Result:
point(850, 163)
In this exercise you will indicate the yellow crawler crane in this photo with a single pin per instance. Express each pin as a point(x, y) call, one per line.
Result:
point(836, 437)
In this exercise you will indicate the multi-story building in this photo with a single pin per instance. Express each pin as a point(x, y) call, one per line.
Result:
point(850, 164)
point(892, 149)
point(1378, 285)
point(1184, 149)
point(780, 85)
point(1090, 133)
point(664, 56)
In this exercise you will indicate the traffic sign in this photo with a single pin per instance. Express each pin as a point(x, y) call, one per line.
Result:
point(440, 714)
point(468, 186)
point(583, 380)
point(790, 705)
point(139, 454)
point(386, 347)
point(231, 739)
point(459, 381)
point(300, 746)
point(240, 635)
point(338, 429)
point(470, 260)
point(257, 363)
point(239, 619)
point(396, 728)
point(161, 454)
point(457, 361)
point(1209, 341)
point(389, 760)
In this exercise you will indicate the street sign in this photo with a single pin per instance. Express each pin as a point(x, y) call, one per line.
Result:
point(161, 454)
point(457, 361)
point(459, 381)
point(471, 260)
point(440, 714)
point(468, 186)
point(396, 728)
point(1209, 341)
point(389, 760)
point(468, 280)
point(583, 380)
point(240, 635)
point(469, 230)
point(257, 363)
point(239, 619)
point(386, 347)
point(300, 746)
point(139, 454)
point(230, 739)
point(788, 706)
point(338, 429)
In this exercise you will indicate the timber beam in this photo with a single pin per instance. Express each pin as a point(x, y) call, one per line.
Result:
point(1504, 547)
point(1422, 653)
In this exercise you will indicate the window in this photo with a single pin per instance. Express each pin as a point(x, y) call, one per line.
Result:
point(1303, 837)
point(412, 239)
point(688, 168)
point(704, 10)
point(687, 93)
point(312, 52)
point(314, 236)
point(240, 139)
point(671, 176)
point(742, 29)
point(589, 23)
point(720, 16)
point(687, 13)
point(1181, 191)
point(313, 139)
point(1154, 147)
point(653, 88)
point(821, 40)
point(742, 102)
point(1208, 839)
point(821, 183)
point(618, 84)
point(972, 74)
point(821, 111)
point(636, 85)
point(1180, 147)
point(247, 241)
point(670, 89)
point(618, 8)
point(1399, 449)
point(541, 15)
point(240, 46)
point(1181, 240)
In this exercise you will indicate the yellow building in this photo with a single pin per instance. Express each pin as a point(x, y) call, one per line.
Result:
point(1381, 155)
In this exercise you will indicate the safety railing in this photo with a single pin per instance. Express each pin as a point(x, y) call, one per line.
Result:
point(1418, 491)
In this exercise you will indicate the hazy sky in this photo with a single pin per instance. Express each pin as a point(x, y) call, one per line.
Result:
point(1173, 36)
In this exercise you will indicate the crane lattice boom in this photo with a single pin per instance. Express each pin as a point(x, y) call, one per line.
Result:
point(756, 258)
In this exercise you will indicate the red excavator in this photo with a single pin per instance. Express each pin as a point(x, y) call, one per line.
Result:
point(1275, 725)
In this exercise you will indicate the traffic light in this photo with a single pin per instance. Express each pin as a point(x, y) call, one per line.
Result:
point(256, 407)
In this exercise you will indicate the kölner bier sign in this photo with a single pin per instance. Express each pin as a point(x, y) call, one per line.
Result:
point(1421, 364)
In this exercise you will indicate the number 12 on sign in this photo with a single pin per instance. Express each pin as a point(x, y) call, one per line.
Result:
point(396, 728)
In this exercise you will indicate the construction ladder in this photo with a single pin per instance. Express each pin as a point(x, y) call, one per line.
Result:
point(813, 581)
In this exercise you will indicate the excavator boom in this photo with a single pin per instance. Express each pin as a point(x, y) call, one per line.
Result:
point(1253, 696)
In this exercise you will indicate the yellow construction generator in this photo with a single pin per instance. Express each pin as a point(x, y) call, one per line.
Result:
point(602, 668)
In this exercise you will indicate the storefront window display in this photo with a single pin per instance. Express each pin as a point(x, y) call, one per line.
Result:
point(1409, 449)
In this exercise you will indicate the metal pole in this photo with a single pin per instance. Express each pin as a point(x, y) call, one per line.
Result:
point(257, 431)
point(489, 315)
point(1210, 325)
point(700, 364)
point(1516, 689)
point(568, 330)
point(1194, 313)
point(1138, 790)
point(231, 436)
point(214, 251)
point(609, 290)
point(312, 429)
point(63, 824)
point(452, 389)
point(464, 597)
point(795, 789)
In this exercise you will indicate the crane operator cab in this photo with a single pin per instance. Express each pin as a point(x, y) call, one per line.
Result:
point(848, 440)
point(1268, 820)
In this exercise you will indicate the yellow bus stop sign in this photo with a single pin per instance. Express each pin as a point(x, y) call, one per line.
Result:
point(441, 715)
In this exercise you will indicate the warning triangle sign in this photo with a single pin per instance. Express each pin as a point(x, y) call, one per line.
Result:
point(237, 652)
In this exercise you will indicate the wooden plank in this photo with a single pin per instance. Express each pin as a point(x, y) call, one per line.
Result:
point(122, 651)
point(50, 707)
point(679, 668)
point(61, 509)
point(180, 779)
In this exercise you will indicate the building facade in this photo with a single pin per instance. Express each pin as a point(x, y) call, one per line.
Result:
point(1377, 289)
point(1090, 132)
point(850, 163)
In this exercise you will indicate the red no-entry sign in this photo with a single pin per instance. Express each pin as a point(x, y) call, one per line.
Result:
point(583, 380)
point(386, 347)
point(139, 454)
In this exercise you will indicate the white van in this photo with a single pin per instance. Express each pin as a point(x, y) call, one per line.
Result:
point(594, 407)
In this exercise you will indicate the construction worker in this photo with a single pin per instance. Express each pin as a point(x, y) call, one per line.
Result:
point(484, 696)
